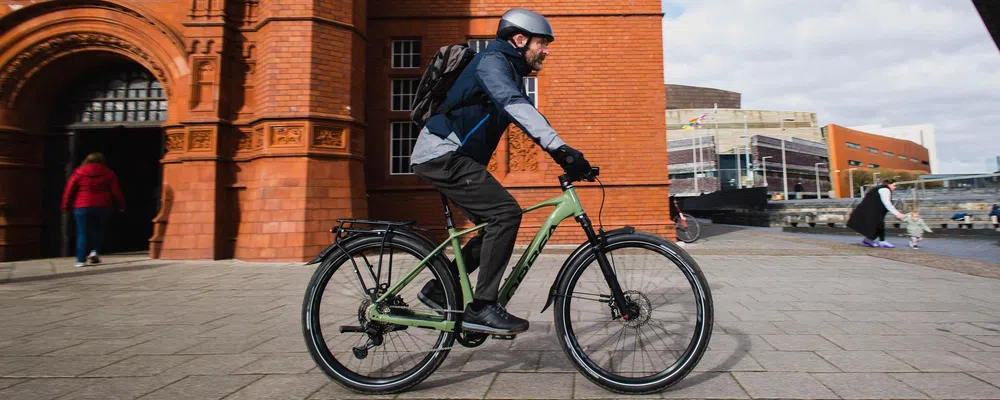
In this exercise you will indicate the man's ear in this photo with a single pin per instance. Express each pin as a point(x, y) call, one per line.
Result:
point(520, 40)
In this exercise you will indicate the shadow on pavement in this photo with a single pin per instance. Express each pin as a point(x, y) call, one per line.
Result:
point(86, 271)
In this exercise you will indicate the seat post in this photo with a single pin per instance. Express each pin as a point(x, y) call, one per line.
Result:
point(447, 212)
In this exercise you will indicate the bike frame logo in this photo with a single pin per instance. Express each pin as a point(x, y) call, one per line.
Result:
point(527, 261)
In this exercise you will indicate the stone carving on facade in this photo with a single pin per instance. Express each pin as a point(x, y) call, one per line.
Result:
point(258, 138)
point(329, 137)
point(174, 141)
point(201, 140)
point(245, 141)
point(286, 135)
point(16, 73)
point(493, 164)
point(522, 151)
point(39, 8)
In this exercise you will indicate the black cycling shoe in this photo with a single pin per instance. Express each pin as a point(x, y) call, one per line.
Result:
point(432, 295)
point(492, 319)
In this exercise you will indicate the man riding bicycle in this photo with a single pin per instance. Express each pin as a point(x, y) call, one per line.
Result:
point(453, 149)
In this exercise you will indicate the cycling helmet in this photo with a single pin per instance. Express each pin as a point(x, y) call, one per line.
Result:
point(519, 20)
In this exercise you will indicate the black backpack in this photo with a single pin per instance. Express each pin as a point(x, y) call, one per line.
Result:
point(441, 73)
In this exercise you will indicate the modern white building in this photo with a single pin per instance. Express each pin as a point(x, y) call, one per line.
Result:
point(922, 134)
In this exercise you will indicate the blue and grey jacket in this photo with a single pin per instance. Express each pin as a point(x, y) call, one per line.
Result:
point(475, 130)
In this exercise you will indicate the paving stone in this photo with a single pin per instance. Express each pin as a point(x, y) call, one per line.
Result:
point(987, 358)
point(950, 385)
point(868, 386)
point(799, 342)
point(120, 388)
point(726, 360)
point(96, 347)
point(932, 342)
point(813, 316)
point(7, 382)
point(866, 342)
point(281, 387)
point(44, 389)
point(701, 385)
point(554, 361)
point(865, 328)
point(749, 328)
point(213, 364)
point(792, 361)
point(334, 391)
point(864, 361)
point(69, 366)
point(226, 345)
point(139, 366)
point(486, 360)
point(287, 363)
point(738, 342)
point(465, 385)
point(992, 378)
point(37, 347)
point(940, 361)
point(808, 328)
point(538, 385)
point(202, 387)
point(166, 345)
point(797, 385)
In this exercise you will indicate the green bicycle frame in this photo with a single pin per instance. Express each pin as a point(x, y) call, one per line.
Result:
point(566, 205)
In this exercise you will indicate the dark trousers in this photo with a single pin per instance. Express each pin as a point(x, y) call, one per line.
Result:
point(482, 199)
point(90, 225)
point(879, 231)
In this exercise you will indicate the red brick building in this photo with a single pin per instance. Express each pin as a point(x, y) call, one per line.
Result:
point(245, 128)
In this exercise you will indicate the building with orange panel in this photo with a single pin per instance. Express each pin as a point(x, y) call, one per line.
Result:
point(244, 129)
point(852, 149)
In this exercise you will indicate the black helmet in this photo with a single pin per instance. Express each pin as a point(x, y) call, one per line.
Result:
point(519, 20)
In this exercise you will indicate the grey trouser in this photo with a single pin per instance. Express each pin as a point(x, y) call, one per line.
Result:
point(482, 199)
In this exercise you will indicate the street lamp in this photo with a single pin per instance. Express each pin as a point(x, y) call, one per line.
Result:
point(850, 181)
point(818, 196)
point(763, 163)
point(784, 165)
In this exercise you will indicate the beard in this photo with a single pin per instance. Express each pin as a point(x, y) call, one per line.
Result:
point(536, 62)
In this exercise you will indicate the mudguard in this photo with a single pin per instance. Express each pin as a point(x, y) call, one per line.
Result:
point(580, 252)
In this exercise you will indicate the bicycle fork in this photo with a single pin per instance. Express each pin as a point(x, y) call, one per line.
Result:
point(597, 246)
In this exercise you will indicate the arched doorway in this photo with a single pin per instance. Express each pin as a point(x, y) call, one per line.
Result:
point(115, 108)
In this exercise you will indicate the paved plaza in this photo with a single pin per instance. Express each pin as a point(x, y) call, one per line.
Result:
point(795, 317)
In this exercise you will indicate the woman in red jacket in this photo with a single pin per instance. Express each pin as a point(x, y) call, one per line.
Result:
point(92, 191)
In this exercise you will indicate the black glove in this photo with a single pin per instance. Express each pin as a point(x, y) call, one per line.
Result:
point(571, 161)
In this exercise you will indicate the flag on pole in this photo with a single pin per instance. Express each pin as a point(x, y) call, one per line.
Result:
point(695, 122)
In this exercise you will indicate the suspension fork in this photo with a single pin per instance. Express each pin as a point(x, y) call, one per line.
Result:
point(597, 246)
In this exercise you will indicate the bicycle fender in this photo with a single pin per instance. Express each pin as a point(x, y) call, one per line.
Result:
point(579, 252)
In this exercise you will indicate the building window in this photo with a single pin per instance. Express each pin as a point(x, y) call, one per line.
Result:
point(854, 163)
point(531, 89)
point(872, 150)
point(925, 162)
point(902, 157)
point(405, 53)
point(873, 165)
point(888, 153)
point(404, 136)
point(403, 92)
point(132, 95)
point(853, 145)
point(913, 159)
point(478, 45)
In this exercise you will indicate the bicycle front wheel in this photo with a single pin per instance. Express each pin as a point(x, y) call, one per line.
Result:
point(660, 346)
point(688, 229)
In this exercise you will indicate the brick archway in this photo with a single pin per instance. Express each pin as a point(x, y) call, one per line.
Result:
point(42, 49)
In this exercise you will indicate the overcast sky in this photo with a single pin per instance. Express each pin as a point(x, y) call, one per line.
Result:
point(852, 62)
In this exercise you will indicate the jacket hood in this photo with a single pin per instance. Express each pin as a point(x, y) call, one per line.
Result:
point(515, 57)
point(93, 170)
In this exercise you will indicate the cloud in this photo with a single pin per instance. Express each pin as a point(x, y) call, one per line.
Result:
point(852, 62)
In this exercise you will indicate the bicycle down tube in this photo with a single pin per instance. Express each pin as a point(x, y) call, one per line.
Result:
point(566, 205)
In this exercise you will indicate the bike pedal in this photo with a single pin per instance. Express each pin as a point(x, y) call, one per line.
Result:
point(504, 337)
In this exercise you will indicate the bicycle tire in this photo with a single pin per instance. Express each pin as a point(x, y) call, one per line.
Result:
point(691, 232)
point(586, 364)
point(313, 331)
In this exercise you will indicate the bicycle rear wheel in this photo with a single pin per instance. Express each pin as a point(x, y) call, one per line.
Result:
point(688, 229)
point(368, 356)
point(663, 343)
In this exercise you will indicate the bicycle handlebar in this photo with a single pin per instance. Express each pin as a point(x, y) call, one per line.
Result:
point(589, 176)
